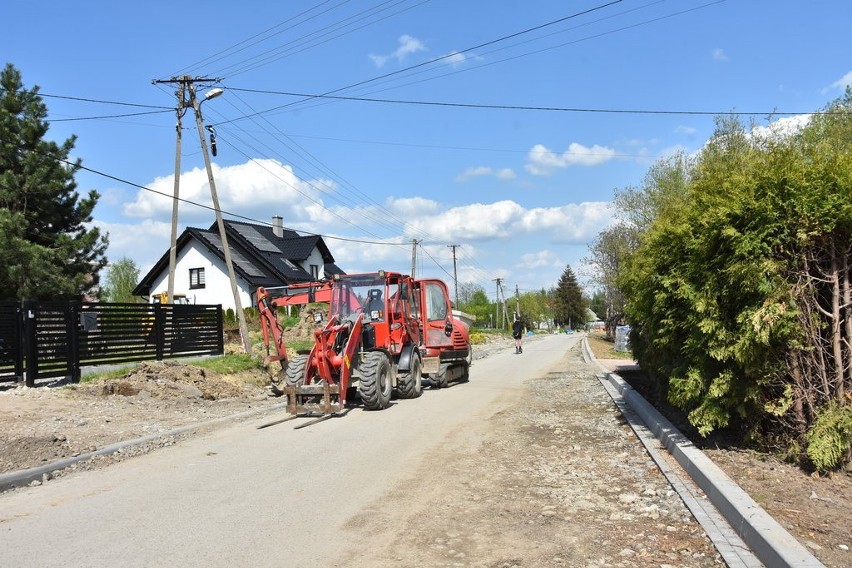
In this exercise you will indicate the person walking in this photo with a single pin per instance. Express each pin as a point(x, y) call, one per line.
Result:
point(518, 333)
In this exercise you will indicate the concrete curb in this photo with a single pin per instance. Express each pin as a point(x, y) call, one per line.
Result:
point(769, 541)
point(22, 477)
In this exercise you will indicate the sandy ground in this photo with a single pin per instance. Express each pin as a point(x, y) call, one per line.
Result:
point(557, 479)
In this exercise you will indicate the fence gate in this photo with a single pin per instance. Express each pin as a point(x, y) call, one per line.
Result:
point(44, 340)
point(11, 332)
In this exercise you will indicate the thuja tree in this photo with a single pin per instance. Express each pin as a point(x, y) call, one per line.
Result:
point(47, 247)
point(740, 292)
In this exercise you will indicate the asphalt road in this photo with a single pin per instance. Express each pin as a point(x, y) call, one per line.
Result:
point(240, 496)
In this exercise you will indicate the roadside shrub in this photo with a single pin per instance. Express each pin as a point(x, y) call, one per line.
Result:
point(830, 438)
point(477, 338)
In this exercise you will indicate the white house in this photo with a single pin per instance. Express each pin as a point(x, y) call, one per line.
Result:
point(262, 255)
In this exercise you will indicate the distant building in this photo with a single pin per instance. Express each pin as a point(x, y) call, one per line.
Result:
point(262, 256)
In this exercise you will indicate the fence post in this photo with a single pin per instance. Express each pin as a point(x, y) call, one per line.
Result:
point(159, 330)
point(19, 342)
point(72, 332)
point(30, 342)
point(220, 325)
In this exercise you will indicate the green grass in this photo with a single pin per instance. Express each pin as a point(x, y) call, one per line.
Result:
point(230, 364)
point(604, 349)
point(107, 375)
point(224, 365)
point(299, 345)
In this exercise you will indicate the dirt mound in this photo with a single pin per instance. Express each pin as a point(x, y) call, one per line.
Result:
point(172, 379)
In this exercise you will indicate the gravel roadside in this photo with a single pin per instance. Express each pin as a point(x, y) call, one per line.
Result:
point(554, 479)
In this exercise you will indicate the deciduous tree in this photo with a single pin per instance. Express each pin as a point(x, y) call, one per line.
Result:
point(121, 278)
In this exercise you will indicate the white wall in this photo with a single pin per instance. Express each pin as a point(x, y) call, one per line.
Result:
point(314, 258)
point(217, 288)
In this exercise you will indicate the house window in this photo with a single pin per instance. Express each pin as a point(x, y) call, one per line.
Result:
point(196, 278)
point(315, 272)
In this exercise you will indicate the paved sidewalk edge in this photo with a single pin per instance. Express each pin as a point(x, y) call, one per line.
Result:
point(770, 542)
point(22, 477)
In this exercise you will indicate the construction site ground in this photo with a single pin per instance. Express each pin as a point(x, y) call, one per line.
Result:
point(548, 475)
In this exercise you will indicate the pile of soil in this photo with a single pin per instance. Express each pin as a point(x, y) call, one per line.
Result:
point(45, 424)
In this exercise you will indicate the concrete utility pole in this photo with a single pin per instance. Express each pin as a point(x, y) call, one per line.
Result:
point(497, 304)
point(517, 300)
point(505, 308)
point(414, 243)
point(182, 105)
point(455, 273)
point(238, 305)
point(181, 95)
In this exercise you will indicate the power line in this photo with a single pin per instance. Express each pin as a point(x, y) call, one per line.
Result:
point(210, 208)
point(105, 116)
point(271, 55)
point(86, 100)
point(525, 107)
point(448, 56)
point(221, 54)
point(303, 153)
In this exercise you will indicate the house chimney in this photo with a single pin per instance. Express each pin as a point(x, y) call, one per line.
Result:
point(278, 226)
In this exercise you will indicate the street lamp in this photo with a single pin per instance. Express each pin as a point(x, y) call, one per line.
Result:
point(238, 305)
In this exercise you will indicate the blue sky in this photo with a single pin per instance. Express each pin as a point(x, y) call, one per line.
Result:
point(522, 191)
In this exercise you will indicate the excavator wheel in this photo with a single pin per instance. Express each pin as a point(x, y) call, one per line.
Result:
point(409, 383)
point(441, 380)
point(295, 374)
point(468, 361)
point(375, 386)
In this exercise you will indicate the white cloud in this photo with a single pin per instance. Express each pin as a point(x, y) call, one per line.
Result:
point(782, 127)
point(144, 242)
point(540, 259)
point(355, 257)
point(543, 161)
point(407, 46)
point(457, 58)
point(688, 130)
point(719, 55)
point(843, 82)
point(259, 188)
point(408, 206)
point(571, 223)
point(479, 171)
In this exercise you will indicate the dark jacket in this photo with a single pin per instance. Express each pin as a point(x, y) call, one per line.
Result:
point(517, 329)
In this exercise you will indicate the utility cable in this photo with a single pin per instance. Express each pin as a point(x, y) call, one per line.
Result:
point(525, 107)
point(209, 207)
point(445, 57)
point(247, 43)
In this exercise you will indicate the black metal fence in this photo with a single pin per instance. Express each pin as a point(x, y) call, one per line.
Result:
point(46, 340)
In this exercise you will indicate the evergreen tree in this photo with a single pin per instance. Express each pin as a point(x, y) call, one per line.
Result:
point(570, 307)
point(47, 249)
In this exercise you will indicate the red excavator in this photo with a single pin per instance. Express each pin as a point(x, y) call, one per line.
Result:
point(384, 331)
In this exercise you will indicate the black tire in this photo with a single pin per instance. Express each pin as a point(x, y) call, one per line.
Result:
point(295, 374)
point(408, 384)
point(468, 361)
point(441, 380)
point(375, 385)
